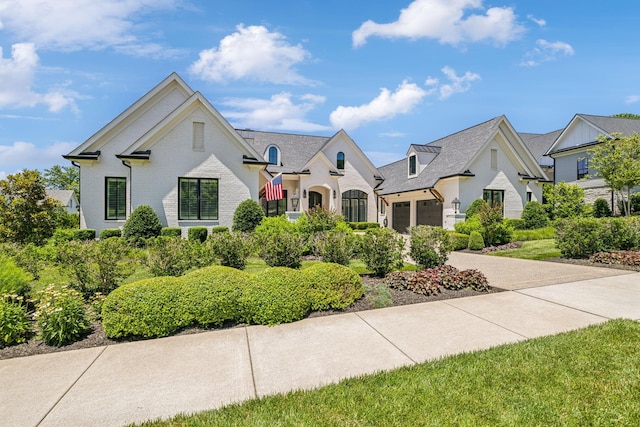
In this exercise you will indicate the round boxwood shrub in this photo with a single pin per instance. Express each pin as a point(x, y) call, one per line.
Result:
point(84, 234)
point(535, 215)
point(474, 207)
point(459, 240)
point(105, 233)
point(247, 216)
point(476, 242)
point(275, 295)
point(198, 234)
point(332, 286)
point(171, 232)
point(142, 224)
point(601, 208)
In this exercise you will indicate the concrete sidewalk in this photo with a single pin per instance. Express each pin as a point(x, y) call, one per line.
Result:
point(133, 382)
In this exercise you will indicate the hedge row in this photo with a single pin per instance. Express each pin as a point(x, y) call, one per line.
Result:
point(213, 295)
point(582, 237)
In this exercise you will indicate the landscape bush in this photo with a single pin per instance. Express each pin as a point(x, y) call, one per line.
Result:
point(13, 279)
point(219, 229)
point(474, 208)
point(381, 250)
point(363, 225)
point(169, 256)
point(515, 223)
point(316, 220)
point(582, 237)
point(473, 279)
point(337, 245)
point(459, 241)
point(142, 224)
point(449, 278)
point(630, 258)
point(197, 234)
point(62, 235)
point(61, 316)
point(496, 232)
point(230, 248)
point(621, 233)
point(14, 322)
point(247, 216)
point(279, 242)
point(601, 208)
point(534, 234)
point(564, 200)
point(30, 257)
point(468, 226)
point(534, 215)
point(84, 234)
point(429, 246)
point(431, 281)
point(275, 295)
point(332, 286)
point(105, 233)
point(476, 242)
point(171, 232)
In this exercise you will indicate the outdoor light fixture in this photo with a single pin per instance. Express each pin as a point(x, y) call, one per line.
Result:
point(334, 194)
point(456, 204)
point(304, 194)
point(294, 201)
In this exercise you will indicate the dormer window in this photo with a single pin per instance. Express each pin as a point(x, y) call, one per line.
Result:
point(273, 155)
point(413, 165)
point(340, 160)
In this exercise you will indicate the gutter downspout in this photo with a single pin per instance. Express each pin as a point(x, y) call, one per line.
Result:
point(124, 162)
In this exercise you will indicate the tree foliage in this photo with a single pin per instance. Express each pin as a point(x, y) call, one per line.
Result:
point(617, 162)
point(564, 200)
point(27, 215)
point(63, 178)
point(626, 116)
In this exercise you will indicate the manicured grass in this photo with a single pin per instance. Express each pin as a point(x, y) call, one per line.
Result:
point(534, 249)
point(536, 234)
point(585, 377)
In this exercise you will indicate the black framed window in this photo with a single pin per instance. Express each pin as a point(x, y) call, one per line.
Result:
point(583, 167)
point(494, 197)
point(354, 206)
point(274, 207)
point(412, 165)
point(340, 160)
point(115, 198)
point(197, 199)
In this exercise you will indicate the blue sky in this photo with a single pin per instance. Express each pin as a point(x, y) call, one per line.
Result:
point(391, 73)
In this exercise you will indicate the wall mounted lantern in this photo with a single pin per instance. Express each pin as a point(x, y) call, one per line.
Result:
point(456, 204)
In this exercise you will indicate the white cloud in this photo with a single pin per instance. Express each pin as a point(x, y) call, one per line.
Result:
point(71, 25)
point(385, 106)
point(280, 112)
point(254, 53)
point(16, 77)
point(632, 99)
point(539, 22)
point(546, 52)
point(393, 134)
point(26, 155)
point(455, 83)
point(446, 21)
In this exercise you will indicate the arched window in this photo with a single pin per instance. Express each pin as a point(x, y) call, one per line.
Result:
point(340, 160)
point(273, 155)
point(354, 205)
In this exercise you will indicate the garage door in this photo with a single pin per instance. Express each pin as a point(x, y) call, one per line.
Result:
point(401, 216)
point(429, 212)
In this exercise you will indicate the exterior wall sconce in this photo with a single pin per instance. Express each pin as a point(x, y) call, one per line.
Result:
point(334, 194)
point(295, 200)
point(304, 194)
point(456, 204)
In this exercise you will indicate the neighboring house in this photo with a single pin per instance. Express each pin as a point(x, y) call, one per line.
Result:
point(487, 161)
point(570, 152)
point(172, 150)
point(65, 198)
point(539, 144)
point(317, 171)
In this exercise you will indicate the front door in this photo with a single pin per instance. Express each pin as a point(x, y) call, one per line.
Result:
point(315, 200)
point(401, 216)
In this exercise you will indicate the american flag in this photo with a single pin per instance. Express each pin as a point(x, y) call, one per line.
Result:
point(273, 189)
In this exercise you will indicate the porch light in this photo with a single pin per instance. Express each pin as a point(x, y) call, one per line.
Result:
point(334, 194)
point(294, 201)
point(304, 194)
point(456, 204)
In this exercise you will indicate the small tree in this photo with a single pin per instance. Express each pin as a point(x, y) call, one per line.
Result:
point(534, 215)
point(247, 216)
point(564, 200)
point(381, 250)
point(63, 178)
point(492, 220)
point(601, 208)
point(617, 161)
point(430, 246)
point(142, 224)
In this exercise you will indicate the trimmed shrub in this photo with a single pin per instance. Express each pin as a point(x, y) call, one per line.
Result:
point(171, 232)
point(515, 223)
point(474, 208)
point(459, 241)
point(469, 226)
point(495, 231)
point(333, 286)
point(247, 216)
point(142, 224)
point(601, 208)
point(61, 316)
point(275, 295)
point(579, 237)
point(169, 256)
point(105, 233)
point(197, 234)
point(13, 279)
point(279, 241)
point(219, 229)
point(84, 234)
point(337, 245)
point(429, 246)
point(381, 250)
point(318, 219)
point(620, 233)
point(534, 215)
point(14, 322)
point(62, 235)
point(363, 225)
point(476, 242)
point(230, 249)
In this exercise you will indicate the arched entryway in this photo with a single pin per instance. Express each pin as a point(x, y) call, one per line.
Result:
point(315, 200)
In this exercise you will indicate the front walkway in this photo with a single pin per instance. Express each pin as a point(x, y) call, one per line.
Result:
point(137, 381)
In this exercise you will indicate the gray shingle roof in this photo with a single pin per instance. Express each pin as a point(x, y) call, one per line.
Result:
point(613, 124)
point(295, 150)
point(456, 151)
point(539, 143)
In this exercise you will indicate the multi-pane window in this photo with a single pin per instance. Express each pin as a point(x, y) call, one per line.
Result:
point(115, 198)
point(412, 164)
point(354, 206)
point(583, 167)
point(274, 207)
point(198, 198)
point(494, 197)
point(340, 160)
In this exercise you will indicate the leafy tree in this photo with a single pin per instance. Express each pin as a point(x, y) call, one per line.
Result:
point(63, 178)
point(27, 215)
point(626, 116)
point(564, 200)
point(617, 162)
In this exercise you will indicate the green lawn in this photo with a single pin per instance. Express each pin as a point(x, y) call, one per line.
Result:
point(534, 249)
point(581, 378)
